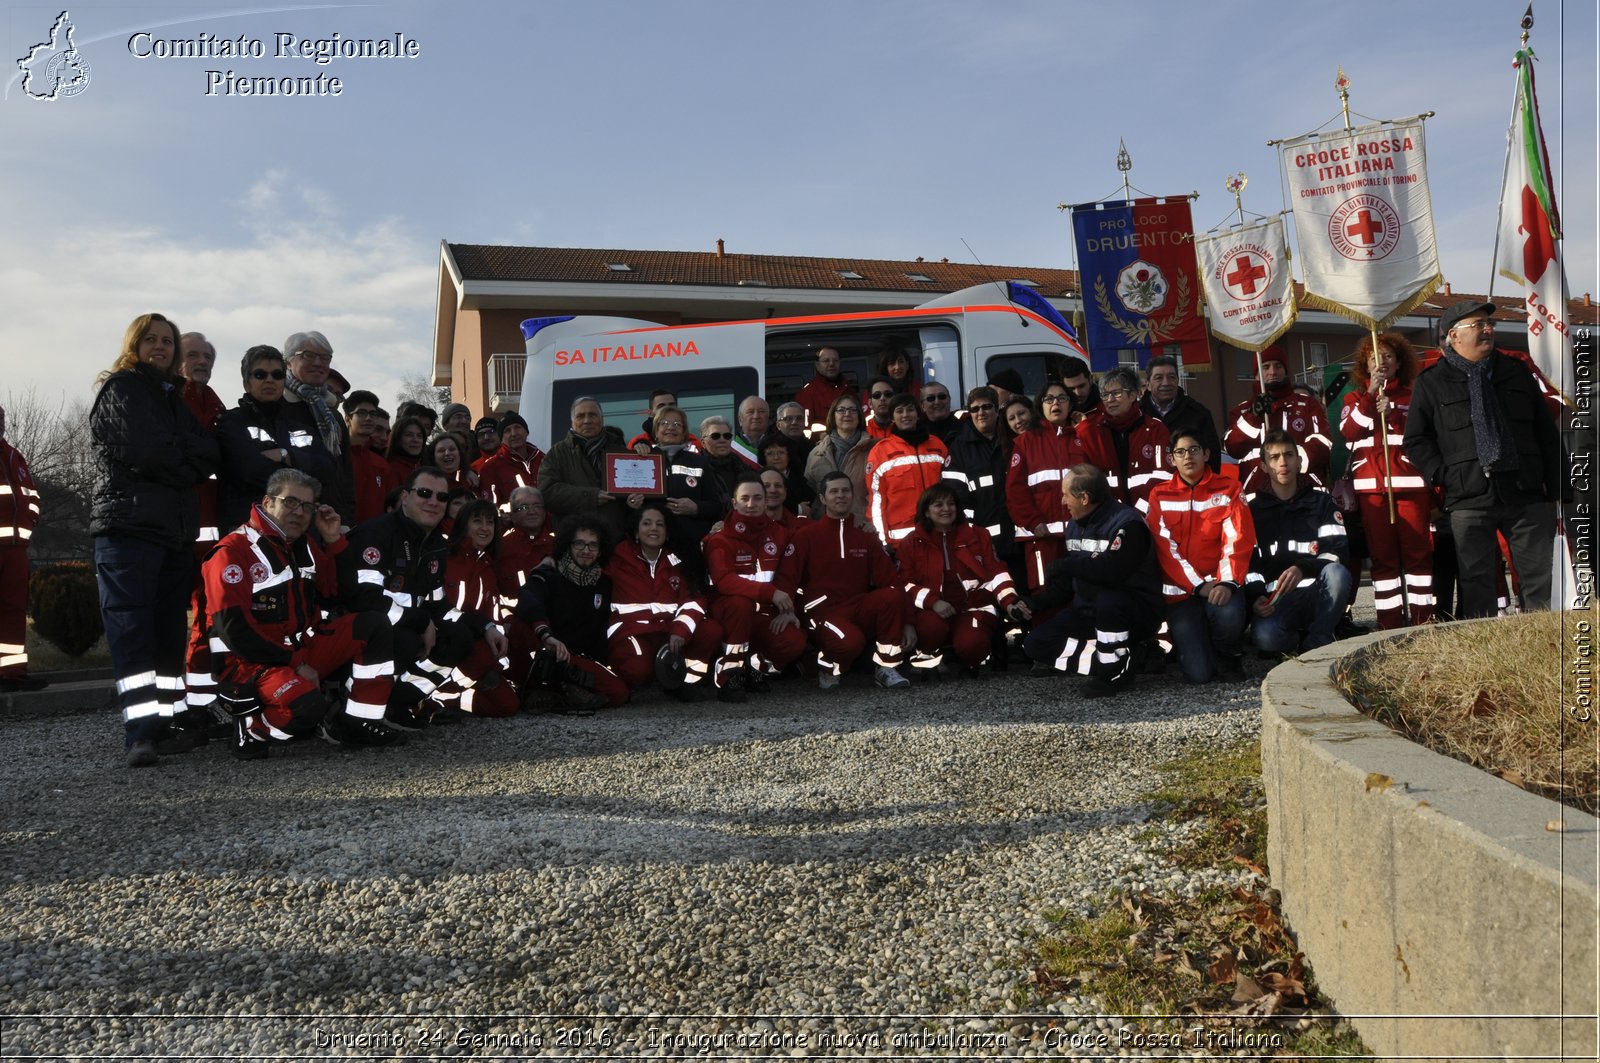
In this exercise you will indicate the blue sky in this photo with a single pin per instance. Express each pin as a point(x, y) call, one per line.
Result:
point(881, 129)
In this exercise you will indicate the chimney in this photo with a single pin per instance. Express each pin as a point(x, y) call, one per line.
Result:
point(719, 247)
point(1586, 300)
point(1447, 287)
point(919, 258)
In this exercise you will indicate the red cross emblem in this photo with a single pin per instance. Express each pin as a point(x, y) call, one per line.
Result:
point(1246, 272)
point(1365, 228)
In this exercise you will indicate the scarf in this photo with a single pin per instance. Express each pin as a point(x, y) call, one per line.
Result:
point(594, 450)
point(916, 436)
point(577, 574)
point(1488, 432)
point(317, 399)
point(839, 446)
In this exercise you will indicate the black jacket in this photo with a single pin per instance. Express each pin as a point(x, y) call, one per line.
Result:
point(391, 565)
point(149, 453)
point(1189, 414)
point(578, 616)
point(1440, 443)
point(251, 428)
point(1307, 532)
point(977, 472)
point(1111, 547)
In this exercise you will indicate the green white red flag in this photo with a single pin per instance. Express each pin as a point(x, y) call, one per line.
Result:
point(1529, 250)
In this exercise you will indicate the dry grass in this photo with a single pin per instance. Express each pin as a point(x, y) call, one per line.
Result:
point(1512, 697)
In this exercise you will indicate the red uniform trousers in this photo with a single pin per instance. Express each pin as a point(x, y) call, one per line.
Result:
point(969, 634)
point(841, 632)
point(743, 626)
point(293, 705)
point(1401, 555)
point(200, 685)
point(633, 655)
point(480, 684)
point(13, 611)
point(606, 681)
point(1039, 553)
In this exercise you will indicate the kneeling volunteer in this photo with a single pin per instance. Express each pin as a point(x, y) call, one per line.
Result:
point(956, 583)
point(266, 583)
point(658, 621)
point(481, 683)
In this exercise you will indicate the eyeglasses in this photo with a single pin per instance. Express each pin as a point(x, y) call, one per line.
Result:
point(1115, 393)
point(587, 546)
point(981, 407)
point(313, 356)
point(1185, 452)
point(936, 398)
point(881, 395)
point(793, 418)
point(363, 415)
point(292, 504)
point(524, 507)
point(1051, 400)
point(425, 493)
point(719, 435)
point(670, 424)
point(847, 411)
point(1477, 326)
point(267, 374)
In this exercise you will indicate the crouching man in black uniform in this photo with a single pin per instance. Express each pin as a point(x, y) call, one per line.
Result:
point(395, 564)
point(1110, 583)
point(266, 583)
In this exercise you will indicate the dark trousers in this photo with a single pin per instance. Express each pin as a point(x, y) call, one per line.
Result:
point(1200, 631)
point(1530, 530)
point(1094, 638)
point(144, 600)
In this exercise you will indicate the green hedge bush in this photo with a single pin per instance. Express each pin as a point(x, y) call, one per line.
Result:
point(64, 601)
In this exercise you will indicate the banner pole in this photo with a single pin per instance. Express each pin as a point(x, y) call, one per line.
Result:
point(1383, 430)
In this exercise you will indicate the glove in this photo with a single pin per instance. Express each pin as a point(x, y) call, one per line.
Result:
point(1262, 405)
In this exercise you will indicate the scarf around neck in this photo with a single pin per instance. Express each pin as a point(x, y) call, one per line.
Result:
point(317, 399)
point(577, 574)
point(1488, 432)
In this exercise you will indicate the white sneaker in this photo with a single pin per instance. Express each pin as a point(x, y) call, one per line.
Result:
point(827, 680)
point(889, 679)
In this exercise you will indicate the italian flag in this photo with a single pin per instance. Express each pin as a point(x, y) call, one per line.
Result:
point(1529, 253)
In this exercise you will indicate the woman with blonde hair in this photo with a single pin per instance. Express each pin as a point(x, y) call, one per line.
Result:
point(149, 454)
point(1373, 423)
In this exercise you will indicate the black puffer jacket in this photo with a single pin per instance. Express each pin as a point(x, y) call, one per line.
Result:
point(252, 428)
point(149, 453)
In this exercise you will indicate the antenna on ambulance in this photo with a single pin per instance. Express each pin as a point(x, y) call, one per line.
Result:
point(1004, 292)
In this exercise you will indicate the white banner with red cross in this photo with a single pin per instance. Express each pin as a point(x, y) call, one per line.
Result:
point(1244, 276)
point(1363, 220)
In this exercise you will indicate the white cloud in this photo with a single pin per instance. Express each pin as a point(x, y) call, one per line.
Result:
point(370, 289)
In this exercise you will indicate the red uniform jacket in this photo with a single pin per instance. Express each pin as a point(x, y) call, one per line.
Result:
point(206, 407)
point(505, 472)
point(264, 594)
point(954, 566)
point(1302, 416)
point(818, 397)
point(1148, 447)
point(651, 597)
point(471, 590)
point(373, 484)
point(835, 563)
point(520, 554)
point(1040, 459)
point(19, 498)
point(1370, 466)
point(742, 559)
point(1202, 533)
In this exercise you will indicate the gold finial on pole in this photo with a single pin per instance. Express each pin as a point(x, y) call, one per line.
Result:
point(1125, 164)
point(1237, 184)
point(1527, 24)
point(1342, 83)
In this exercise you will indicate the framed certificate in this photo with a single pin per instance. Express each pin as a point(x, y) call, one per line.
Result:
point(635, 474)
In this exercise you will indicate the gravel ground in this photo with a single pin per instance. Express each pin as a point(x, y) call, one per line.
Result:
point(807, 874)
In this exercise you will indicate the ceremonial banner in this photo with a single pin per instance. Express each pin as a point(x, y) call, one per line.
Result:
point(1364, 219)
point(1530, 226)
point(1136, 263)
point(1244, 274)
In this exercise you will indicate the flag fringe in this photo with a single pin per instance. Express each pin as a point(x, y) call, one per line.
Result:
point(1318, 302)
point(1293, 314)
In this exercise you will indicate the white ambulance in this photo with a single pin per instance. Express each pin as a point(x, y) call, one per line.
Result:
point(965, 338)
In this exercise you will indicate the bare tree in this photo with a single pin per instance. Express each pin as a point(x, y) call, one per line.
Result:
point(53, 437)
point(416, 388)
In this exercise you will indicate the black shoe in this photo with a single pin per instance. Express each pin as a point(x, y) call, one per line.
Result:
point(1041, 669)
point(1099, 687)
point(1347, 628)
point(576, 701)
point(142, 753)
point(732, 690)
point(755, 682)
point(344, 730)
point(447, 716)
point(177, 739)
point(250, 740)
point(413, 717)
point(1230, 666)
point(670, 669)
point(22, 684)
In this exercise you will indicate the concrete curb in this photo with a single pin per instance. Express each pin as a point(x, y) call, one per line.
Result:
point(1438, 912)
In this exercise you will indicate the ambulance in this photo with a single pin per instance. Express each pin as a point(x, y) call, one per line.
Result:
point(964, 338)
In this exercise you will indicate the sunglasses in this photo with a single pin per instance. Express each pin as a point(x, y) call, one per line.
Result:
point(936, 398)
point(981, 407)
point(426, 493)
point(267, 374)
point(881, 395)
point(719, 435)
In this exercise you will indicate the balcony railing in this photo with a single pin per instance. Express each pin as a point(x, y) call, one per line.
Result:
point(505, 381)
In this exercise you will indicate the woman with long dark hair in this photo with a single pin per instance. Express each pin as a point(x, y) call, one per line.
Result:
point(658, 619)
point(149, 453)
point(957, 584)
